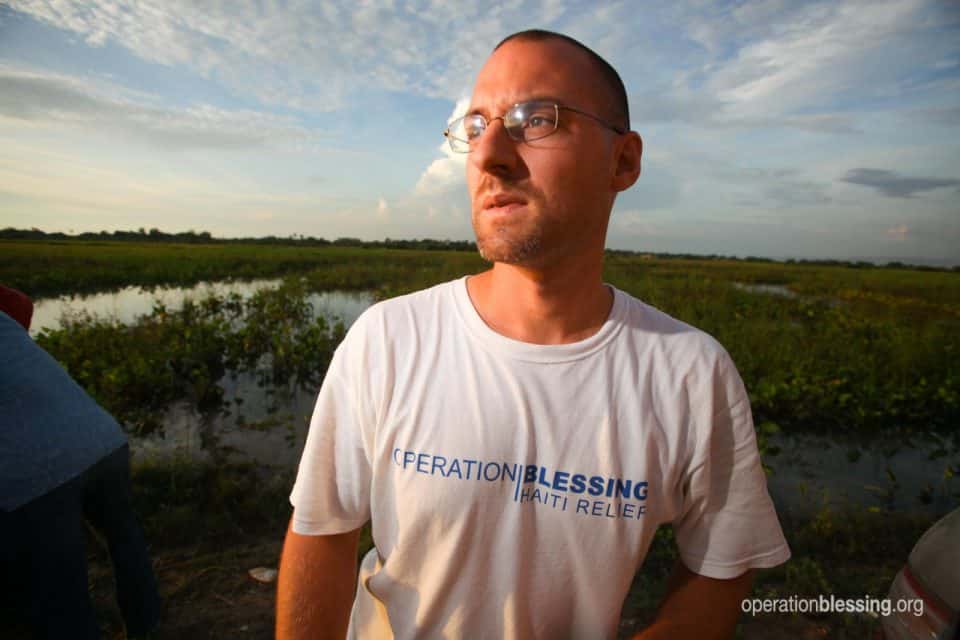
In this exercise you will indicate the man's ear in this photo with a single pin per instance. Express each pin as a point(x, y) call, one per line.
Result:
point(628, 162)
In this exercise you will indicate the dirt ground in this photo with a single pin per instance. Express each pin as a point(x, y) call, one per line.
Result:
point(205, 594)
point(209, 594)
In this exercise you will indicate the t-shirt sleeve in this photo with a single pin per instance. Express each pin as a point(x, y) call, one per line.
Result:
point(331, 493)
point(728, 523)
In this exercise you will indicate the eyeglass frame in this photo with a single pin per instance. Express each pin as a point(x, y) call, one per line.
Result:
point(556, 125)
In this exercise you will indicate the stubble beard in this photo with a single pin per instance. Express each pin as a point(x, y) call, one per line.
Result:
point(498, 246)
point(515, 241)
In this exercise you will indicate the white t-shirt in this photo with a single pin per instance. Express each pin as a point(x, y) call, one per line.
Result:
point(515, 488)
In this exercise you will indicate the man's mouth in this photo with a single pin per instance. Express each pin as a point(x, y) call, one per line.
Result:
point(503, 203)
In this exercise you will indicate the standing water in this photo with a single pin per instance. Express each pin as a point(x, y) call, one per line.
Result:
point(126, 304)
point(812, 471)
point(266, 425)
point(269, 426)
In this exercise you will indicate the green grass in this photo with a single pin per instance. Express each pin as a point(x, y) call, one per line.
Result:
point(856, 352)
point(826, 360)
point(49, 268)
point(871, 353)
point(136, 371)
point(184, 502)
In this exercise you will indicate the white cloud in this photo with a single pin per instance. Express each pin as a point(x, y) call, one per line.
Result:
point(772, 63)
point(305, 57)
point(318, 57)
point(96, 185)
point(443, 174)
point(810, 56)
point(636, 223)
point(759, 63)
point(53, 99)
point(749, 111)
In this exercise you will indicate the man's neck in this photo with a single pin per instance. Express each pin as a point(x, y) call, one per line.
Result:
point(556, 306)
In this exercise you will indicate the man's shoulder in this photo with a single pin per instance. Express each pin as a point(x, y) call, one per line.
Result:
point(406, 312)
point(685, 361)
point(657, 328)
point(442, 293)
point(422, 301)
point(688, 364)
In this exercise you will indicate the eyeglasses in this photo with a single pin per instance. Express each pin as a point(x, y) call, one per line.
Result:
point(524, 122)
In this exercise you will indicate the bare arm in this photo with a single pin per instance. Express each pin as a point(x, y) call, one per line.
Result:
point(315, 589)
point(698, 607)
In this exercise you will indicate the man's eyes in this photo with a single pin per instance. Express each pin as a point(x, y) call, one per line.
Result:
point(538, 120)
point(473, 127)
point(523, 122)
point(537, 117)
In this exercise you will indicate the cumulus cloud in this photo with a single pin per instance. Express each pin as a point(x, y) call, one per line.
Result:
point(894, 185)
point(443, 174)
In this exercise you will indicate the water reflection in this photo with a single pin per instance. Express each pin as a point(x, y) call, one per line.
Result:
point(128, 303)
point(811, 470)
point(265, 425)
point(769, 289)
point(270, 426)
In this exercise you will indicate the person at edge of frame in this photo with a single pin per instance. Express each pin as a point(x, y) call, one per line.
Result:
point(63, 461)
point(516, 437)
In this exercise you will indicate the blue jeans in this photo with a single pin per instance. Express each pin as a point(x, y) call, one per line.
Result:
point(43, 554)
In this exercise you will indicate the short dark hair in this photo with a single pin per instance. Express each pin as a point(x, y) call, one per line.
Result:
point(609, 74)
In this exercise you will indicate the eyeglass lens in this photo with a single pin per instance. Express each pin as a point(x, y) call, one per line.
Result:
point(531, 120)
point(524, 122)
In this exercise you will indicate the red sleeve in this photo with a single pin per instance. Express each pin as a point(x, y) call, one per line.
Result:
point(16, 305)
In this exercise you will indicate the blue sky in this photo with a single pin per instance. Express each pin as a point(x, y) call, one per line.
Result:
point(771, 128)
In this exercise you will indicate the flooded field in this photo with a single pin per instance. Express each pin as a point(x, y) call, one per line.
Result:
point(127, 304)
point(267, 425)
point(852, 374)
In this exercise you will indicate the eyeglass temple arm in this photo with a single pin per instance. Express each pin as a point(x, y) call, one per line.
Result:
point(614, 127)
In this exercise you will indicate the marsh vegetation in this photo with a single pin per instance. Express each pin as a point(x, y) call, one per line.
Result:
point(860, 357)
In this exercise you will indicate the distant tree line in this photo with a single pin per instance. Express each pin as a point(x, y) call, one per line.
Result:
point(204, 237)
point(141, 235)
point(858, 264)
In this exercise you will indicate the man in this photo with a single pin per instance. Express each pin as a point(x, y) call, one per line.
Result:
point(63, 460)
point(517, 436)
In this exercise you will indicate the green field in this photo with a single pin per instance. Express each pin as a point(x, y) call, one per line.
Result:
point(47, 268)
point(856, 351)
point(861, 353)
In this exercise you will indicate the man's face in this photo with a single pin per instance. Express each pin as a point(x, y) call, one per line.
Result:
point(535, 203)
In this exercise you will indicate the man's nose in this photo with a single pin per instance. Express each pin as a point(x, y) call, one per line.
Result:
point(495, 151)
